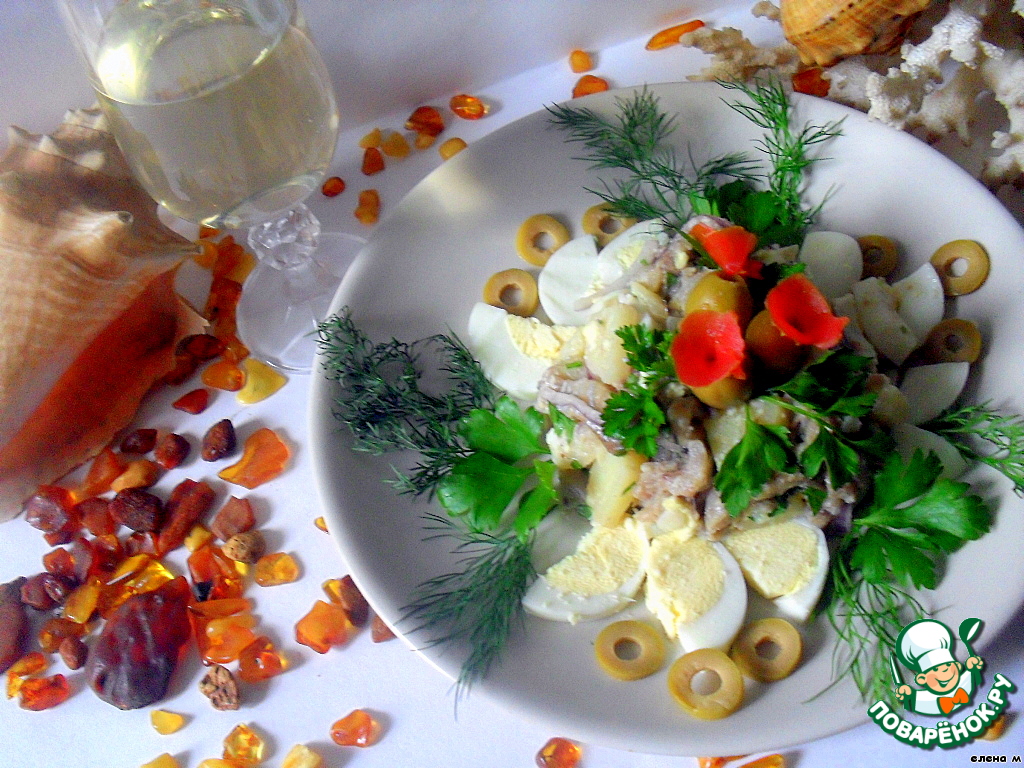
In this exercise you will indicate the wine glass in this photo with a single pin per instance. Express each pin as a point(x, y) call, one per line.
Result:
point(226, 114)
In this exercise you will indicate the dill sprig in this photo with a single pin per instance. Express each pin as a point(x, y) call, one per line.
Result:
point(867, 617)
point(1002, 435)
point(788, 150)
point(479, 602)
point(385, 405)
point(656, 186)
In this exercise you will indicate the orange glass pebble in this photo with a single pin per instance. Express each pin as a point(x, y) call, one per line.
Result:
point(165, 722)
point(210, 565)
point(356, 729)
point(368, 210)
point(321, 523)
point(301, 756)
point(372, 139)
point(589, 84)
point(264, 457)
point(424, 140)
point(104, 469)
point(276, 568)
point(326, 625)
point(812, 82)
point(670, 36)
point(345, 593)
point(580, 61)
point(138, 473)
point(206, 231)
point(244, 746)
point(559, 753)
point(260, 660)
point(30, 664)
point(373, 161)
point(193, 402)
point(768, 761)
point(55, 630)
point(83, 600)
point(164, 760)
point(426, 120)
point(395, 145)
point(468, 107)
point(227, 637)
point(206, 256)
point(333, 186)
point(451, 147)
point(224, 374)
point(379, 631)
point(39, 693)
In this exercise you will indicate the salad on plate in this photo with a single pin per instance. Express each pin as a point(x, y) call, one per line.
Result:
point(704, 422)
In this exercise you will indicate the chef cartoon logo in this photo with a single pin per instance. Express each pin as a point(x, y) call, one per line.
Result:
point(925, 647)
point(946, 687)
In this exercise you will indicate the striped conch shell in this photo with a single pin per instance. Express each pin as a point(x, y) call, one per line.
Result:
point(89, 317)
point(824, 31)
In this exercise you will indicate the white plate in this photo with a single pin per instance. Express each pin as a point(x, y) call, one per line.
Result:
point(425, 267)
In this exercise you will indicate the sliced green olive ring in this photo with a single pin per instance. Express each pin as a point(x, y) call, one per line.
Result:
point(603, 225)
point(629, 650)
point(767, 649)
point(953, 340)
point(514, 290)
point(724, 695)
point(880, 253)
point(540, 236)
point(962, 266)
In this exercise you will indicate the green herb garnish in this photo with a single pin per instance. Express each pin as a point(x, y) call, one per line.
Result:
point(633, 415)
point(1001, 438)
point(386, 407)
point(479, 602)
point(657, 186)
point(781, 205)
point(900, 537)
point(477, 452)
point(762, 452)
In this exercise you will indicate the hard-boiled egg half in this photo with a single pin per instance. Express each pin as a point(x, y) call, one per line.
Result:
point(695, 588)
point(600, 578)
point(785, 562)
point(514, 351)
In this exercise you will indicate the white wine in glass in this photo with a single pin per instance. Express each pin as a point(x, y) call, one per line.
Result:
point(226, 114)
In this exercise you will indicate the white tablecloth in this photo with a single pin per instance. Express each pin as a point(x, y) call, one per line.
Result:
point(378, 86)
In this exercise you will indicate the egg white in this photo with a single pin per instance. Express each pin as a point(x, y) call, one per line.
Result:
point(931, 389)
point(833, 260)
point(566, 278)
point(719, 624)
point(797, 606)
point(620, 253)
point(921, 300)
point(545, 600)
point(503, 364)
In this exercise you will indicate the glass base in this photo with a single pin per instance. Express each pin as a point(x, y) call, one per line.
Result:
point(281, 307)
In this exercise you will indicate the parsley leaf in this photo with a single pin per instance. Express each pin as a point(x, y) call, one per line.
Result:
point(537, 501)
point(507, 432)
point(480, 487)
point(914, 518)
point(762, 452)
point(633, 415)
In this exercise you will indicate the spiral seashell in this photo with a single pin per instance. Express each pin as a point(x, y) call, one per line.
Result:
point(824, 31)
point(89, 317)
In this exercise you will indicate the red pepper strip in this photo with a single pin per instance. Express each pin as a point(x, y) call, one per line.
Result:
point(801, 312)
point(709, 346)
point(730, 249)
